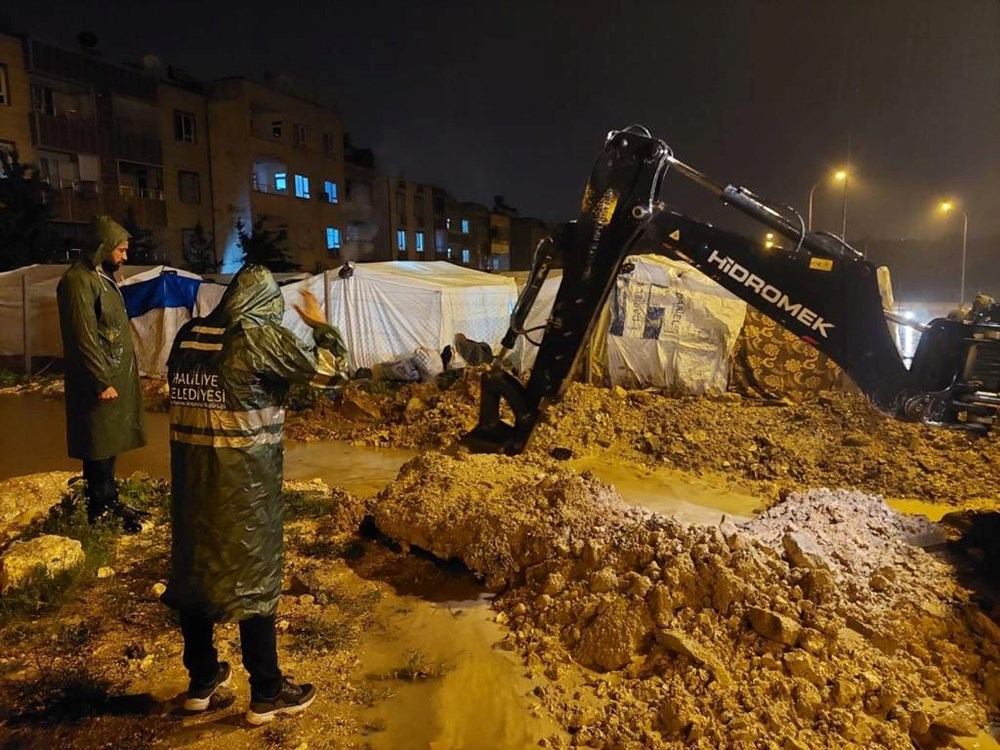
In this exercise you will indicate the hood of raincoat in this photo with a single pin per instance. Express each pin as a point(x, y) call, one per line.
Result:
point(252, 295)
point(110, 234)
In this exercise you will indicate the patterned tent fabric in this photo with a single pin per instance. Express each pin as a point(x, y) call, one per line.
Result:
point(769, 362)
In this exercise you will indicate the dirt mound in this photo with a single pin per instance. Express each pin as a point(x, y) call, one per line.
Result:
point(838, 440)
point(815, 625)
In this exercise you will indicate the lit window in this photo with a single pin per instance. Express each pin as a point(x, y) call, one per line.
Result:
point(281, 182)
point(420, 242)
point(4, 92)
point(449, 253)
point(465, 226)
point(301, 186)
point(276, 128)
point(466, 255)
point(401, 239)
point(330, 189)
point(332, 238)
point(183, 126)
point(447, 223)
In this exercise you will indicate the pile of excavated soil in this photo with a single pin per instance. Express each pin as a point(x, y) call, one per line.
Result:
point(839, 440)
point(814, 625)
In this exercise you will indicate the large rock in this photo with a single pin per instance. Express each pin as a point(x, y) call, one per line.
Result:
point(25, 499)
point(680, 643)
point(52, 553)
point(616, 634)
point(802, 551)
point(774, 627)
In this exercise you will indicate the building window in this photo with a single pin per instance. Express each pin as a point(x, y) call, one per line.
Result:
point(465, 226)
point(301, 186)
point(42, 100)
point(280, 182)
point(401, 207)
point(466, 255)
point(401, 240)
point(332, 238)
point(420, 242)
point(447, 223)
point(6, 147)
point(328, 147)
point(4, 87)
point(330, 190)
point(449, 253)
point(190, 187)
point(299, 134)
point(276, 128)
point(183, 126)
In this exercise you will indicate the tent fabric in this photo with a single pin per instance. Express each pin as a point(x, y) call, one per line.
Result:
point(389, 310)
point(671, 327)
point(167, 288)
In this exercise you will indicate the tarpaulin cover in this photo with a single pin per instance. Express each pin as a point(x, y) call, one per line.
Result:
point(671, 326)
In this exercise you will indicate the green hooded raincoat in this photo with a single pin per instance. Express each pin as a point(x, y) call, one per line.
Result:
point(229, 374)
point(97, 351)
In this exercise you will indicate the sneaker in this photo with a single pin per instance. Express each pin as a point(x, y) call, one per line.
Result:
point(199, 694)
point(291, 700)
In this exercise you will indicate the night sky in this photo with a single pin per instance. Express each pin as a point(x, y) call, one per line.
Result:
point(515, 98)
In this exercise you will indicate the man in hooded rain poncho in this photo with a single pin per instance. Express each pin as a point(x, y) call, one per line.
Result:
point(103, 400)
point(229, 374)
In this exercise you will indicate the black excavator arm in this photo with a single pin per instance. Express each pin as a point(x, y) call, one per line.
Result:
point(821, 290)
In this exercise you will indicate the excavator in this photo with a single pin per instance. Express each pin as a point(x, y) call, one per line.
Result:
point(814, 284)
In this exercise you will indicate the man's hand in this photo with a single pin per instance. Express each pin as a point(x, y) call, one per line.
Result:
point(108, 394)
point(310, 311)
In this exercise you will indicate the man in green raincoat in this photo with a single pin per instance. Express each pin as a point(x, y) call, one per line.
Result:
point(103, 400)
point(229, 374)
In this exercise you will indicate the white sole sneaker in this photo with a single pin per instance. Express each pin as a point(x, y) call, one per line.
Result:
point(257, 719)
point(200, 704)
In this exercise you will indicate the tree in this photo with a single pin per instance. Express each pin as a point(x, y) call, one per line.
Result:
point(199, 254)
point(25, 211)
point(142, 246)
point(264, 246)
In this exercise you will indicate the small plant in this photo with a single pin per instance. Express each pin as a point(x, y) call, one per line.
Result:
point(317, 634)
point(368, 695)
point(306, 504)
point(417, 666)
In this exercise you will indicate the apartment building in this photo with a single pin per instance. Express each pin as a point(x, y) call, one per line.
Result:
point(15, 100)
point(405, 213)
point(102, 136)
point(361, 218)
point(276, 157)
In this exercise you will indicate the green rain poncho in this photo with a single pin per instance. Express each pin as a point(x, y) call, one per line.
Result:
point(98, 353)
point(229, 374)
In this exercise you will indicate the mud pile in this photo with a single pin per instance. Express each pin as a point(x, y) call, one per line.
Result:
point(815, 625)
point(838, 440)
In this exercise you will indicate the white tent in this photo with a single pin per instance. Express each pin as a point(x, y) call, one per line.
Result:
point(388, 310)
point(671, 326)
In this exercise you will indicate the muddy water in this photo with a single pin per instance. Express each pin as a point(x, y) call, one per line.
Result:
point(480, 700)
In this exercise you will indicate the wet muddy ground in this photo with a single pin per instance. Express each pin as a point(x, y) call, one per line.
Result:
point(404, 649)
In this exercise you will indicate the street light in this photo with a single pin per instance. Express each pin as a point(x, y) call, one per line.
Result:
point(841, 176)
point(947, 206)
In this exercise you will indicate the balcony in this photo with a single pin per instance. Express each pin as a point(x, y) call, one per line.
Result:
point(147, 206)
point(64, 133)
point(134, 146)
point(75, 202)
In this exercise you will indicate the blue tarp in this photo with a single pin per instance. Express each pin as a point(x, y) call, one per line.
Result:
point(166, 290)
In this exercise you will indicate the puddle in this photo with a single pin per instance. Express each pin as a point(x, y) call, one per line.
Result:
point(480, 700)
